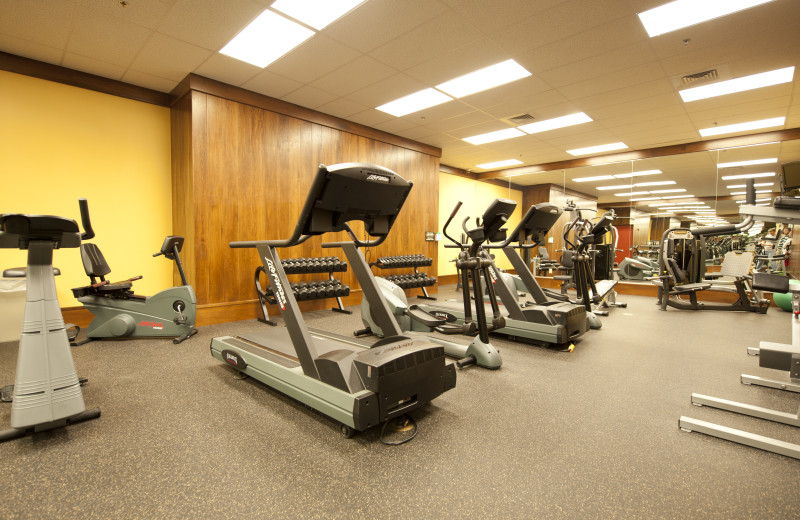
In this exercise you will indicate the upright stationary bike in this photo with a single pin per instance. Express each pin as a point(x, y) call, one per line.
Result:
point(47, 392)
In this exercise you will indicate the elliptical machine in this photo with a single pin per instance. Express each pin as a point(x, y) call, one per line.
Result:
point(47, 391)
point(472, 264)
point(121, 313)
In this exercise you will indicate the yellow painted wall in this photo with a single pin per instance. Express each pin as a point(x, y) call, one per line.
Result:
point(476, 197)
point(59, 143)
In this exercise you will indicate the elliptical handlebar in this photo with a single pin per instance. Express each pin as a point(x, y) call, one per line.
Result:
point(446, 224)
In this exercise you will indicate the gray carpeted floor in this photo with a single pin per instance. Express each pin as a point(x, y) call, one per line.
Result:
point(588, 434)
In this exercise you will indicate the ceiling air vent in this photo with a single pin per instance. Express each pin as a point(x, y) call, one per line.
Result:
point(699, 77)
point(521, 119)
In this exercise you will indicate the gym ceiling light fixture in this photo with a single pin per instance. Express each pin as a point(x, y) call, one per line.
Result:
point(598, 149)
point(637, 174)
point(491, 137)
point(413, 102)
point(557, 122)
point(764, 79)
point(484, 79)
point(748, 176)
point(617, 176)
point(684, 13)
point(637, 185)
point(266, 39)
point(757, 185)
point(596, 178)
point(316, 13)
point(747, 163)
point(652, 192)
point(532, 128)
point(498, 164)
point(654, 183)
point(742, 127)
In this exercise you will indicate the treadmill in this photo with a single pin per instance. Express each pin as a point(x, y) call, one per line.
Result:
point(549, 323)
point(358, 383)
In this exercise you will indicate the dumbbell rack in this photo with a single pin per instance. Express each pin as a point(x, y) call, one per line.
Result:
point(304, 291)
point(408, 281)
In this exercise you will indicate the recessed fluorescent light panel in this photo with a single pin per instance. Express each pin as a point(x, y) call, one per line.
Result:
point(654, 183)
point(413, 102)
point(678, 197)
point(484, 79)
point(764, 79)
point(499, 164)
point(597, 149)
point(491, 137)
point(683, 13)
point(757, 184)
point(266, 39)
point(676, 190)
point(316, 13)
point(597, 178)
point(558, 122)
point(620, 187)
point(742, 127)
point(637, 174)
point(747, 163)
point(631, 193)
point(748, 176)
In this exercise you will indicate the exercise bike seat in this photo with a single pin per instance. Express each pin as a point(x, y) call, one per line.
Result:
point(95, 265)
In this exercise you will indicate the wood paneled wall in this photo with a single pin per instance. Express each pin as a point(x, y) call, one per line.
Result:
point(241, 172)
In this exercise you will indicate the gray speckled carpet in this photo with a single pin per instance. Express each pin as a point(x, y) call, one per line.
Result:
point(588, 434)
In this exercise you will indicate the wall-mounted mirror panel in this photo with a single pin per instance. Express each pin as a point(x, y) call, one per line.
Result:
point(654, 194)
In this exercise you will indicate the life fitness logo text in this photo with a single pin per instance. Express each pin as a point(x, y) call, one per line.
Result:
point(155, 325)
point(276, 282)
point(380, 178)
point(492, 275)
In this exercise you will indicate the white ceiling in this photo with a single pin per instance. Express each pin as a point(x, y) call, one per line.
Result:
point(589, 56)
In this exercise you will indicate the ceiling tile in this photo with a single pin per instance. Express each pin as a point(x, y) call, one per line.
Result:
point(45, 23)
point(209, 24)
point(227, 70)
point(106, 38)
point(145, 13)
point(168, 58)
point(542, 105)
point(149, 81)
point(34, 51)
point(496, 15)
point(370, 117)
point(353, 76)
point(316, 57)
point(271, 84)
point(476, 54)
point(363, 31)
point(92, 66)
point(341, 107)
point(309, 97)
point(388, 89)
point(559, 22)
point(438, 36)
